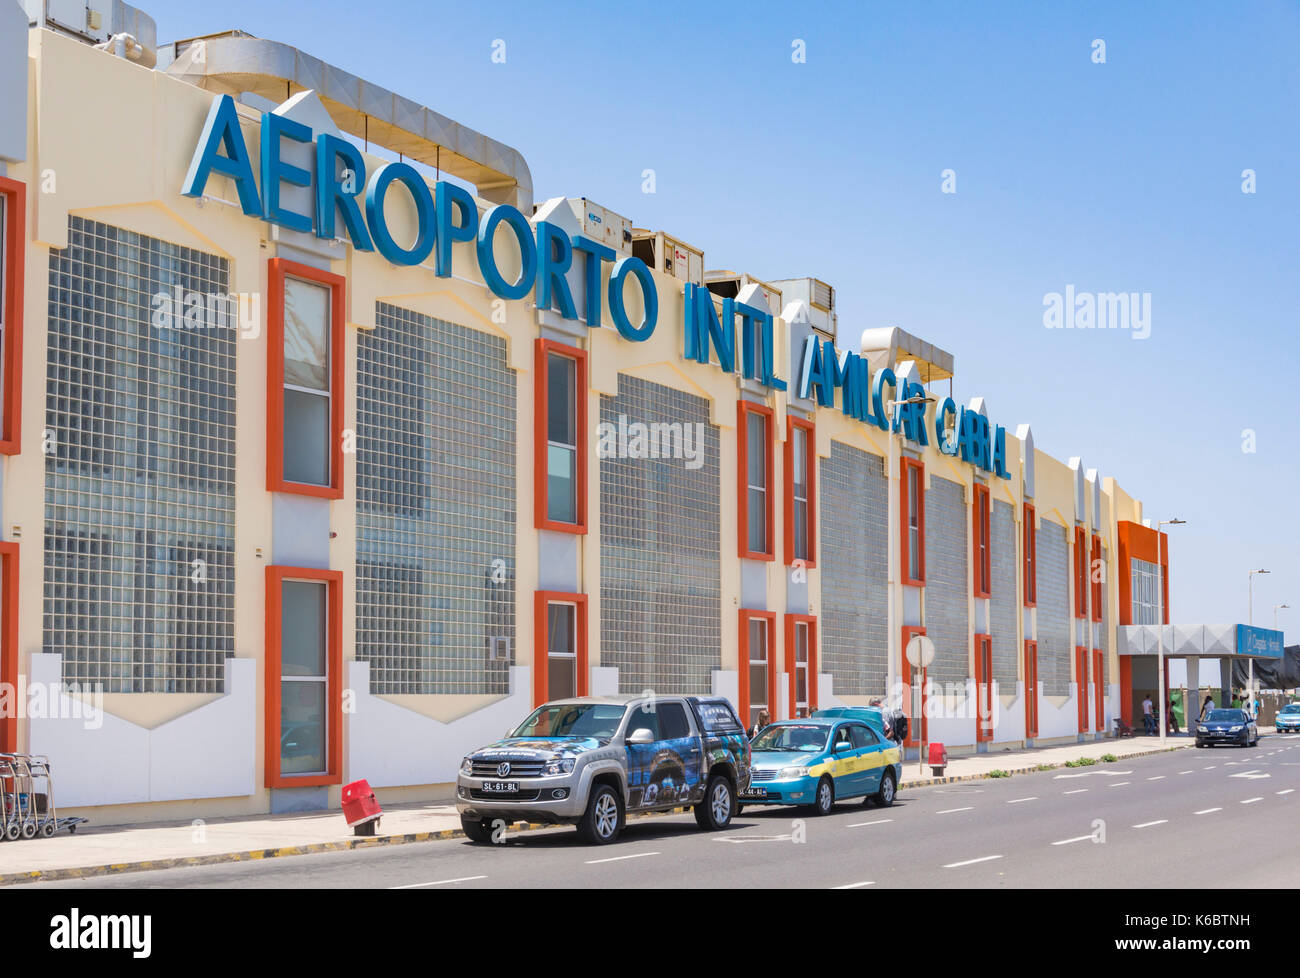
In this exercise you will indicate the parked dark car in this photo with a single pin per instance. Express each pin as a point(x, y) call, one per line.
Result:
point(1227, 726)
point(589, 761)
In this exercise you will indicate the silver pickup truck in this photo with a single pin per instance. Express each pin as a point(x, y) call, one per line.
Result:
point(591, 760)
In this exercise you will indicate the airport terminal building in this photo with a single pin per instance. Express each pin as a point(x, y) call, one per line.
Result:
point(328, 452)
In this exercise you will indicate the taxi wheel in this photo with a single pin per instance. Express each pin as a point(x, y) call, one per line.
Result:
point(885, 796)
point(825, 798)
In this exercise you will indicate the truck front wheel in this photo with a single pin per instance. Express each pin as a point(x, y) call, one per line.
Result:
point(718, 806)
point(603, 819)
point(476, 829)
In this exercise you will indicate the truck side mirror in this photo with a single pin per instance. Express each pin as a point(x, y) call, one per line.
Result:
point(641, 735)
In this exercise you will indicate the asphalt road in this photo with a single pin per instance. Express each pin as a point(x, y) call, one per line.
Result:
point(1191, 819)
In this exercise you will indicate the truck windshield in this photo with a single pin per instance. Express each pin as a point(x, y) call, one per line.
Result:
point(792, 737)
point(596, 720)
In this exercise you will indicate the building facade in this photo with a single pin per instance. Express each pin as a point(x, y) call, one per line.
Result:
point(327, 454)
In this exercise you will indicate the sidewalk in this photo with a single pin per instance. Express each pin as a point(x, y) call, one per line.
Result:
point(100, 851)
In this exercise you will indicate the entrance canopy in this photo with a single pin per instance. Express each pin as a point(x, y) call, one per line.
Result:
point(1216, 641)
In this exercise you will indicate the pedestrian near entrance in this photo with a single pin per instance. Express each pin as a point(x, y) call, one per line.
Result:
point(1206, 707)
point(1148, 717)
point(764, 719)
point(1173, 720)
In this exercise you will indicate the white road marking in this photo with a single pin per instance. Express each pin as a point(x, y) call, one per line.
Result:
point(854, 886)
point(458, 879)
point(614, 859)
point(1287, 792)
point(970, 862)
point(1074, 792)
point(1251, 801)
point(1207, 811)
point(1252, 775)
point(949, 811)
point(1077, 838)
point(1184, 772)
point(1210, 768)
point(1017, 801)
point(879, 821)
point(1060, 776)
point(1158, 777)
point(1147, 825)
point(1118, 784)
point(1115, 774)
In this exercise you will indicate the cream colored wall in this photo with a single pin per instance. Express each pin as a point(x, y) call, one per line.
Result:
point(117, 140)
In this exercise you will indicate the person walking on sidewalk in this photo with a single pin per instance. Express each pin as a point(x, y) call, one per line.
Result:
point(1148, 717)
point(1173, 719)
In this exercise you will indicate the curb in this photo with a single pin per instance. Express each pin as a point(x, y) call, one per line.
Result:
point(1029, 770)
point(370, 842)
point(250, 855)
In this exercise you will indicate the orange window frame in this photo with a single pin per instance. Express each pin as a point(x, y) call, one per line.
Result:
point(791, 624)
point(15, 252)
point(1081, 585)
point(544, 349)
point(904, 479)
point(1031, 688)
point(1096, 585)
point(9, 636)
point(905, 677)
point(810, 479)
point(1081, 684)
point(1098, 690)
point(276, 575)
point(743, 410)
point(542, 601)
point(1030, 561)
point(981, 560)
point(280, 269)
point(983, 687)
point(746, 616)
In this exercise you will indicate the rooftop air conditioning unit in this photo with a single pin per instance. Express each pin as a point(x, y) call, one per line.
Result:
point(823, 296)
point(97, 22)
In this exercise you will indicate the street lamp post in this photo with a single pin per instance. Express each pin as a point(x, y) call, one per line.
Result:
point(1160, 628)
point(1250, 660)
point(1276, 609)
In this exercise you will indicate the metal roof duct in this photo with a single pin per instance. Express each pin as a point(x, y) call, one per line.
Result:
point(235, 63)
point(889, 345)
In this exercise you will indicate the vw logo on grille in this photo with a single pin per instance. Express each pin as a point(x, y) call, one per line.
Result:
point(503, 769)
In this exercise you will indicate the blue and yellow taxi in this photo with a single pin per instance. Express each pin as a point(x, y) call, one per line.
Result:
point(1288, 719)
point(817, 761)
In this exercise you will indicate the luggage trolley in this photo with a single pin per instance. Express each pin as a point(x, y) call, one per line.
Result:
point(24, 811)
point(16, 782)
point(47, 820)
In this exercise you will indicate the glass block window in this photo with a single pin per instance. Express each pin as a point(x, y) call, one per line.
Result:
point(854, 560)
point(1054, 612)
point(947, 618)
point(436, 418)
point(660, 571)
point(139, 471)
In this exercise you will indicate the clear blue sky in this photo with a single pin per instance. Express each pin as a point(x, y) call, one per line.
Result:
point(1123, 176)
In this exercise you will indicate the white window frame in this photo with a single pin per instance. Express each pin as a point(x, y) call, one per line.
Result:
point(759, 512)
point(765, 661)
point(571, 656)
point(322, 680)
point(572, 448)
point(327, 393)
point(800, 436)
point(802, 637)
